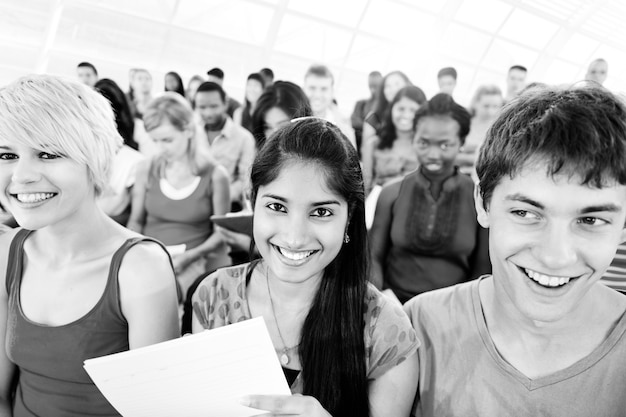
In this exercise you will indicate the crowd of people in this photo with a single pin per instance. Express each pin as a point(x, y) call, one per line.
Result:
point(418, 258)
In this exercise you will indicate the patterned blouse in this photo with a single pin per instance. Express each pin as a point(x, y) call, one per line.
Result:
point(389, 337)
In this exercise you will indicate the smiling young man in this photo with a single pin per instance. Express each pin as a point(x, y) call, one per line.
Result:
point(540, 336)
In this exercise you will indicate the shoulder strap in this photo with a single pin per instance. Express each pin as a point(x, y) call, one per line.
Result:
point(118, 256)
point(16, 257)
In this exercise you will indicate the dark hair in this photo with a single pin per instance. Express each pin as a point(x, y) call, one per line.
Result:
point(208, 86)
point(246, 117)
point(87, 65)
point(447, 71)
point(332, 349)
point(382, 104)
point(518, 67)
point(179, 83)
point(443, 104)
point(267, 72)
point(285, 95)
point(321, 71)
point(121, 108)
point(388, 130)
point(216, 72)
point(375, 74)
point(578, 131)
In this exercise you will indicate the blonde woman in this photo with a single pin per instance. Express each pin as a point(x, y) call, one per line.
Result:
point(178, 190)
point(78, 285)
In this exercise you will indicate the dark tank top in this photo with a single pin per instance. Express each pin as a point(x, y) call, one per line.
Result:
point(52, 381)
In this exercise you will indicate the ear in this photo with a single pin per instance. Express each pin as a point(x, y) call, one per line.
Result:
point(481, 214)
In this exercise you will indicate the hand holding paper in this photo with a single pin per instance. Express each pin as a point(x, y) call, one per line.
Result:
point(205, 374)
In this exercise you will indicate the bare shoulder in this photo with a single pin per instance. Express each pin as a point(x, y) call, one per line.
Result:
point(146, 263)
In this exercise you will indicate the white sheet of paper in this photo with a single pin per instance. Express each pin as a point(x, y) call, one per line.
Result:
point(197, 375)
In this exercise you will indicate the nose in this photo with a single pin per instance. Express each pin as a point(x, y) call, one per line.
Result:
point(296, 231)
point(557, 247)
point(434, 152)
point(25, 171)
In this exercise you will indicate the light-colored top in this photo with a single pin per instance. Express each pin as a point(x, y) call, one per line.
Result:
point(221, 300)
point(462, 373)
point(115, 198)
point(234, 149)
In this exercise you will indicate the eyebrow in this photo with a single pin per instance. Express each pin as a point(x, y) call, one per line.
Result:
point(609, 207)
point(316, 204)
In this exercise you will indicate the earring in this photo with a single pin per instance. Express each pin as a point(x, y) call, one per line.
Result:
point(346, 238)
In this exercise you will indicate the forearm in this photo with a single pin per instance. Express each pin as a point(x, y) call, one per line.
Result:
point(212, 243)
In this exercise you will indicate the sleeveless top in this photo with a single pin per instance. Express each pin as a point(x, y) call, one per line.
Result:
point(221, 299)
point(176, 222)
point(433, 241)
point(463, 374)
point(52, 381)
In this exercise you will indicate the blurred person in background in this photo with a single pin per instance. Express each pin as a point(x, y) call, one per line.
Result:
point(389, 87)
point(363, 107)
point(255, 85)
point(178, 190)
point(87, 73)
point(216, 75)
point(446, 79)
point(173, 82)
point(484, 109)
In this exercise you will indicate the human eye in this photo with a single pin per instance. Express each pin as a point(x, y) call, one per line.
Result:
point(592, 221)
point(422, 144)
point(524, 214)
point(47, 155)
point(7, 156)
point(322, 212)
point(276, 207)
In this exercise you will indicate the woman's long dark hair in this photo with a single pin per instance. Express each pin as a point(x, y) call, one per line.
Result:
point(122, 109)
point(332, 349)
point(180, 89)
point(381, 105)
point(388, 130)
point(284, 95)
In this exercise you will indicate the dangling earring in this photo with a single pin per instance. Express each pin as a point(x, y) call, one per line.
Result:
point(346, 238)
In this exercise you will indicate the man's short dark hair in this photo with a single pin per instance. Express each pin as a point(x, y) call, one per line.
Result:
point(216, 72)
point(267, 72)
point(576, 131)
point(321, 71)
point(518, 67)
point(208, 86)
point(447, 71)
point(87, 65)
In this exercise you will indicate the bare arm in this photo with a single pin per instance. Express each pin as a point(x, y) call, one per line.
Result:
point(138, 198)
point(368, 132)
point(380, 232)
point(237, 115)
point(148, 295)
point(393, 393)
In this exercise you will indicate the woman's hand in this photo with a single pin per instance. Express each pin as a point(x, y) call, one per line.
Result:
point(279, 405)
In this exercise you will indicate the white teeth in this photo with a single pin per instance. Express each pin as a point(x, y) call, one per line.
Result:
point(546, 280)
point(34, 197)
point(295, 256)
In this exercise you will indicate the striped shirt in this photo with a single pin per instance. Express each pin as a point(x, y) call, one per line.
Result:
point(615, 275)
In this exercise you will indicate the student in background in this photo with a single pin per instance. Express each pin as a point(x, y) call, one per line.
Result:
point(425, 235)
point(254, 88)
point(178, 190)
point(363, 107)
point(347, 349)
point(278, 104)
point(77, 284)
point(515, 82)
point(87, 73)
point(173, 82)
point(446, 78)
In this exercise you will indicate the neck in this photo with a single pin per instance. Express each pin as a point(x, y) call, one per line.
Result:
point(295, 297)
point(404, 134)
point(80, 235)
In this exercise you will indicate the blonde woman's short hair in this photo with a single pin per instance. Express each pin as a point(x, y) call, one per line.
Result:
point(62, 117)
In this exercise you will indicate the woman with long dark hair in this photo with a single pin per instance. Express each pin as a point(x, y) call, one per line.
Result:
point(345, 347)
